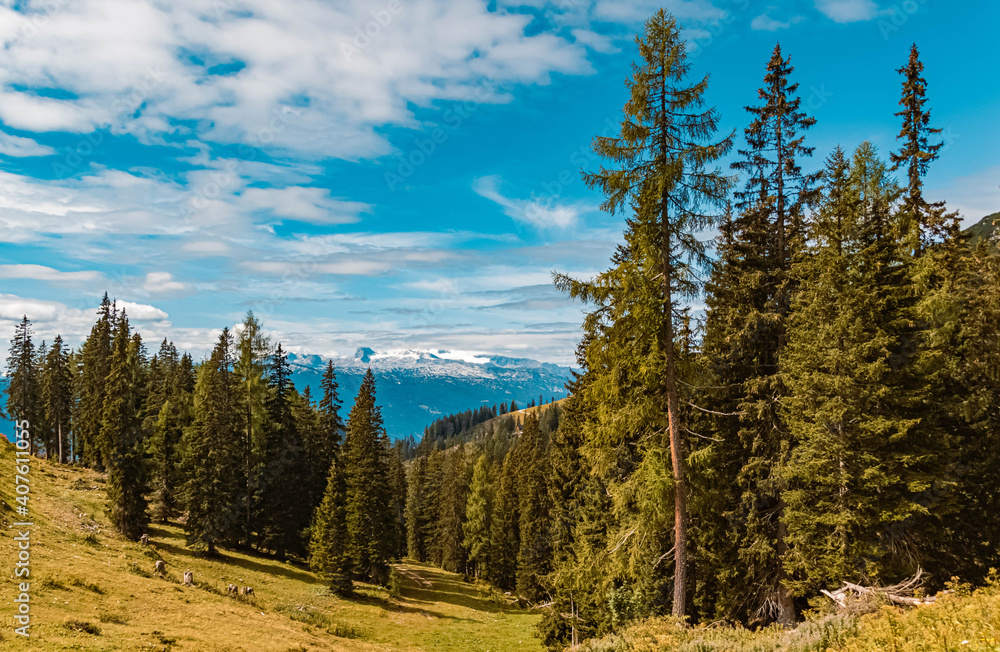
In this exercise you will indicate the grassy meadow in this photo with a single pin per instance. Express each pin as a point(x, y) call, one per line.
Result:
point(92, 590)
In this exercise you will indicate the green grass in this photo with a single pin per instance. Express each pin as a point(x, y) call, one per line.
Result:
point(92, 590)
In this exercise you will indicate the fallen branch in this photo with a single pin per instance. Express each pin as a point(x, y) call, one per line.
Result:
point(894, 593)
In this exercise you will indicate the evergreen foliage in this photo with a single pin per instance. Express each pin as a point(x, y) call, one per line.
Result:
point(368, 513)
point(122, 432)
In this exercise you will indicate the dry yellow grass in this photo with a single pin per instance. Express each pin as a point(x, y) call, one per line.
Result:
point(92, 590)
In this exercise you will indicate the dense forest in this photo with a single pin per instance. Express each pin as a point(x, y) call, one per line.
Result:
point(833, 415)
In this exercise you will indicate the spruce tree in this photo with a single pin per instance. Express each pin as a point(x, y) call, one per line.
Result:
point(249, 367)
point(22, 380)
point(213, 454)
point(534, 559)
point(170, 386)
point(862, 462)
point(95, 358)
point(122, 432)
point(398, 492)
point(283, 512)
point(921, 222)
point(416, 544)
point(449, 552)
point(973, 530)
point(57, 397)
point(324, 446)
point(329, 548)
point(749, 300)
point(660, 161)
point(504, 537)
point(477, 517)
point(369, 519)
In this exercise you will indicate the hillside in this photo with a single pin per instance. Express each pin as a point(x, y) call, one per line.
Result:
point(92, 590)
point(416, 387)
point(984, 228)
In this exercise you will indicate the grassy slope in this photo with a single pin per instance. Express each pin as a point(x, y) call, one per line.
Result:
point(966, 622)
point(82, 578)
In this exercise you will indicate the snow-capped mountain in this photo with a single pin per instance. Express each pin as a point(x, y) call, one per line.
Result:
point(414, 387)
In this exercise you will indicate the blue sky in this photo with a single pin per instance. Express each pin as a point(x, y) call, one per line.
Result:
point(414, 187)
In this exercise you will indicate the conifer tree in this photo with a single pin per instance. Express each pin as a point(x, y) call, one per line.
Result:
point(22, 381)
point(921, 221)
point(862, 463)
point(95, 360)
point(329, 548)
point(449, 552)
point(323, 442)
point(121, 430)
point(750, 295)
point(534, 559)
point(416, 545)
point(369, 520)
point(504, 536)
point(660, 167)
point(57, 396)
point(398, 492)
point(213, 452)
point(283, 512)
point(252, 349)
point(973, 529)
point(478, 516)
point(170, 383)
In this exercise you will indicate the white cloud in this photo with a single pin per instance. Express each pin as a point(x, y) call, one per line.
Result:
point(154, 69)
point(560, 216)
point(48, 274)
point(162, 283)
point(848, 11)
point(141, 311)
point(17, 146)
point(313, 205)
point(767, 24)
point(638, 10)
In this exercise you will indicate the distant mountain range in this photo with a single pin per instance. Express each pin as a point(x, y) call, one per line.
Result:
point(414, 387)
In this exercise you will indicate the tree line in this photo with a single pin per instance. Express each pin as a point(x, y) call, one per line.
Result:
point(227, 446)
point(832, 416)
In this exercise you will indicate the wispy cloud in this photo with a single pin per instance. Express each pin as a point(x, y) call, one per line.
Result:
point(765, 23)
point(848, 11)
point(48, 274)
point(543, 216)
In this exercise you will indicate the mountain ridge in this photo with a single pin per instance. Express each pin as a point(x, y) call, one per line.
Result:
point(416, 386)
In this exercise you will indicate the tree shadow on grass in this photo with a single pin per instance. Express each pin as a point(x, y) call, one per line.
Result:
point(174, 543)
point(450, 589)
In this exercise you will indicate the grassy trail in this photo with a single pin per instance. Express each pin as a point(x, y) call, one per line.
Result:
point(92, 590)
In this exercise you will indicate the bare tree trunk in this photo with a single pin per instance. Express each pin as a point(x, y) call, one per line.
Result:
point(676, 445)
point(59, 427)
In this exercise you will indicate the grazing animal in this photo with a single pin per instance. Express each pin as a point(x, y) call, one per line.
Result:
point(188, 578)
point(160, 566)
point(232, 589)
point(246, 591)
point(144, 540)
